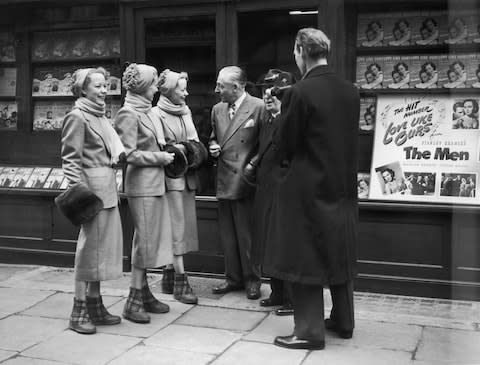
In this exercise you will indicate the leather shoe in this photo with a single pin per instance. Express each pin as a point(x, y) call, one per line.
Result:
point(253, 292)
point(331, 325)
point(285, 310)
point(293, 342)
point(225, 288)
point(269, 302)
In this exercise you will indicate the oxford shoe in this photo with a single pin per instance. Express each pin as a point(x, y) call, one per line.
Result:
point(285, 310)
point(225, 288)
point(293, 342)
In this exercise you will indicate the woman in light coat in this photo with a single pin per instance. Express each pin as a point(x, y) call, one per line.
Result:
point(90, 147)
point(142, 136)
point(178, 128)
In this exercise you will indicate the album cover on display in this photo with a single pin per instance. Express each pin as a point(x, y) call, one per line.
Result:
point(8, 81)
point(21, 177)
point(38, 177)
point(55, 179)
point(8, 115)
point(7, 47)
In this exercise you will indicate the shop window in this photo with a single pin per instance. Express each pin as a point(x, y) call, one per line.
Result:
point(266, 39)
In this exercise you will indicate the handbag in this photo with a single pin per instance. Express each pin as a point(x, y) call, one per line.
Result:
point(79, 204)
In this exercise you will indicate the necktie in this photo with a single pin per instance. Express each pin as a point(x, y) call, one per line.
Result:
point(231, 111)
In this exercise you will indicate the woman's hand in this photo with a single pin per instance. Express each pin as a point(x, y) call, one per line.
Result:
point(168, 158)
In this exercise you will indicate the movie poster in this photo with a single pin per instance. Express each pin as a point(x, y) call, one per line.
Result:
point(426, 149)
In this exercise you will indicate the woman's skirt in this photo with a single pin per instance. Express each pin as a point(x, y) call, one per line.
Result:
point(99, 247)
point(152, 240)
point(184, 220)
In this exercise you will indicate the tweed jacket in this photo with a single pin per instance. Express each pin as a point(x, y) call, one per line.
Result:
point(238, 140)
point(143, 139)
point(85, 156)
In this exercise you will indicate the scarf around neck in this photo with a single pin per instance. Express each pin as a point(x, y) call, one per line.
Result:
point(166, 105)
point(90, 106)
point(137, 102)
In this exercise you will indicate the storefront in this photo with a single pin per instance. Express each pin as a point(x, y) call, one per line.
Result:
point(418, 239)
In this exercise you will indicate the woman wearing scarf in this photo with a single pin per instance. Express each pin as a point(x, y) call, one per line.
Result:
point(90, 147)
point(143, 139)
point(178, 127)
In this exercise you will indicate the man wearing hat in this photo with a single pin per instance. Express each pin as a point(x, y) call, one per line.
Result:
point(313, 220)
point(234, 139)
point(265, 177)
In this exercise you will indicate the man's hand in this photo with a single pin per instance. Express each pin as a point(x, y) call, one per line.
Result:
point(214, 149)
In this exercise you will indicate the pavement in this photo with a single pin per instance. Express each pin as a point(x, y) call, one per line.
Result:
point(36, 301)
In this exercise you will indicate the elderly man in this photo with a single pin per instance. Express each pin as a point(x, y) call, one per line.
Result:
point(234, 139)
point(313, 223)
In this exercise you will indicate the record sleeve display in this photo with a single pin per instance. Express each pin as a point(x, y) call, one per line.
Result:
point(8, 115)
point(7, 47)
point(8, 81)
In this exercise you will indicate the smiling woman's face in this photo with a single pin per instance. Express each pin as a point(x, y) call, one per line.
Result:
point(96, 88)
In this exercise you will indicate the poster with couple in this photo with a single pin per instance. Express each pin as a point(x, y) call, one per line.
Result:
point(426, 149)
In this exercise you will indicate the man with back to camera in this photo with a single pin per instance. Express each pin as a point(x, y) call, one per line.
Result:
point(234, 139)
point(314, 212)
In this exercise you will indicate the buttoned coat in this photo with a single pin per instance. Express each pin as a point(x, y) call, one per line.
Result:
point(85, 156)
point(312, 234)
point(143, 139)
point(238, 140)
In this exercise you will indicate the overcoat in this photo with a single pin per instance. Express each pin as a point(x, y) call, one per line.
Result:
point(238, 140)
point(312, 234)
point(265, 181)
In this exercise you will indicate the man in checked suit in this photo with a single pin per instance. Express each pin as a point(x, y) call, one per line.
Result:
point(234, 139)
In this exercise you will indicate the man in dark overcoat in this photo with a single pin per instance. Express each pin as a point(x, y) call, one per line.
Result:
point(313, 224)
point(264, 179)
point(234, 140)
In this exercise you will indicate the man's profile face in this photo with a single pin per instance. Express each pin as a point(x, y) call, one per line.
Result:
point(226, 88)
point(299, 54)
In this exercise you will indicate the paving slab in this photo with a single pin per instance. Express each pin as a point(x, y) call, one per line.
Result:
point(439, 344)
point(271, 327)
point(60, 305)
point(341, 355)
point(379, 335)
point(6, 354)
point(157, 321)
point(255, 353)
point(153, 355)
point(17, 299)
point(18, 333)
point(8, 271)
point(21, 360)
point(72, 348)
point(222, 318)
point(195, 339)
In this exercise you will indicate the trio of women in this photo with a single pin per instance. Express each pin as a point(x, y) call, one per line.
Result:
point(162, 208)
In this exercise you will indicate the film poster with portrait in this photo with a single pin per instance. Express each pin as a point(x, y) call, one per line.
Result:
point(426, 149)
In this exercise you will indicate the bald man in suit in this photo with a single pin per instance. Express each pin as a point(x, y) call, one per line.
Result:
point(234, 139)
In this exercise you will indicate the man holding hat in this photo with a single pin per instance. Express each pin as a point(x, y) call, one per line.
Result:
point(234, 139)
point(265, 177)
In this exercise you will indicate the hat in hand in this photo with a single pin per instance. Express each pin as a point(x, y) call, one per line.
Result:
point(79, 204)
point(196, 153)
point(179, 165)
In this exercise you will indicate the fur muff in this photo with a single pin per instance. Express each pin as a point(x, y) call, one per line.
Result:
point(196, 153)
point(179, 165)
point(79, 204)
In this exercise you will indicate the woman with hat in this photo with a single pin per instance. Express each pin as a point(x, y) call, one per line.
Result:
point(179, 131)
point(142, 135)
point(90, 147)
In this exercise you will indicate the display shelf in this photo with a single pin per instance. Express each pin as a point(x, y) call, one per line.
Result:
point(82, 61)
point(437, 91)
point(402, 50)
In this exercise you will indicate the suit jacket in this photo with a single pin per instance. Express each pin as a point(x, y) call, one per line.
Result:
point(238, 139)
point(175, 133)
point(143, 139)
point(312, 234)
point(85, 156)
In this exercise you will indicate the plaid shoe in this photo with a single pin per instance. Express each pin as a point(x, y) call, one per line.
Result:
point(182, 290)
point(99, 314)
point(79, 319)
point(152, 304)
point(168, 280)
point(134, 310)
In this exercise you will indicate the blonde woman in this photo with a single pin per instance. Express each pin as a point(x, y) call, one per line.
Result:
point(90, 147)
point(178, 128)
point(142, 135)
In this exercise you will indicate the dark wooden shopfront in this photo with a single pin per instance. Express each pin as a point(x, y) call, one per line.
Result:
point(404, 248)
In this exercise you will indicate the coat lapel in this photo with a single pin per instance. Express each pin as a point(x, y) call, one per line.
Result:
point(94, 124)
point(156, 128)
point(238, 120)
